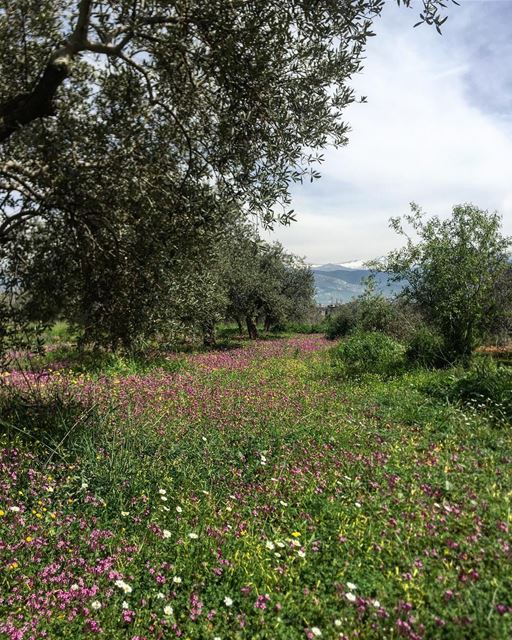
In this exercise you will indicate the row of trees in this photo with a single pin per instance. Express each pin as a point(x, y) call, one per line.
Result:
point(136, 134)
point(139, 293)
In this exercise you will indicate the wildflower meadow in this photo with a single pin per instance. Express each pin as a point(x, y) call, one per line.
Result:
point(249, 493)
point(205, 435)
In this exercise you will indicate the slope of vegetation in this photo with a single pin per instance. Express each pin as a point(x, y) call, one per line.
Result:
point(251, 493)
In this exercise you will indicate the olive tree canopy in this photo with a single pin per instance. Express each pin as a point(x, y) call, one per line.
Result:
point(453, 269)
point(133, 133)
point(243, 92)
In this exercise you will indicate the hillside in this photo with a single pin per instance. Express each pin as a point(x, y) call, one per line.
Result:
point(340, 283)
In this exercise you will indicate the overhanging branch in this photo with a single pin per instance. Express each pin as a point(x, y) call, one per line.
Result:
point(39, 103)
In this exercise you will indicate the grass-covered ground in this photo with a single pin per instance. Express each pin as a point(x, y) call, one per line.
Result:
point(248, 493)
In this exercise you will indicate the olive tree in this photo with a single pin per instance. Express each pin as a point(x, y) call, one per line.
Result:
point(264, 282)
point(248, 90)
point(131, 129)
point(451, 270)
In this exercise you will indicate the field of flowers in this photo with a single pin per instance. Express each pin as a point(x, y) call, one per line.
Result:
point(250, 494)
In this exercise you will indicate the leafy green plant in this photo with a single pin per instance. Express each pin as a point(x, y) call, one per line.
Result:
point(368, 353)
point(426, 349)
point(343, 322)
point(486, 385)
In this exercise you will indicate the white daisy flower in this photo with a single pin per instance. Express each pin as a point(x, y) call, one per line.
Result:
point(227, 601)
point(95, 605)
point(350, 597)
point(166, 533)
point(316, 631)
point(193, 536)
point(176, 580)
point(123, 585)
point(168, 610)
point(351, 586)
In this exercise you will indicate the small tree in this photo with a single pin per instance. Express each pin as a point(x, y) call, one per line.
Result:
point(264, 282)
point(451, 271)
point(500, 329)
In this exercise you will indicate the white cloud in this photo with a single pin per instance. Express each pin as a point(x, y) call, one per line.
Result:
point(421, 137)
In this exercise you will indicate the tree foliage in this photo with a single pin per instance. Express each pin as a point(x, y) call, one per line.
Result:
point(134, 132)
point(239, 94)
point(451, 270)
point(264, 282)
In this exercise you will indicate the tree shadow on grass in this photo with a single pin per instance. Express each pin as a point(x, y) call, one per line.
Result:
point(48, 420)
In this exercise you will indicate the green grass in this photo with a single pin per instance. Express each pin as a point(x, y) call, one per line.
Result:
point(369, 509)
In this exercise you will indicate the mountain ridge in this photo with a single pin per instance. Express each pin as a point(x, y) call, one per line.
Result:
point(339, 283)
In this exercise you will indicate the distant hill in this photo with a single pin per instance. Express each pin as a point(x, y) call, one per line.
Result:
point(343, 282)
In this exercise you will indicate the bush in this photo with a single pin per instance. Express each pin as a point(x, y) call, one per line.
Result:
point(343, 322)
point(370, 313)
point(376, 313)
point(298, 327)
point(426, 349)
point(367, 353)
point(486, 386)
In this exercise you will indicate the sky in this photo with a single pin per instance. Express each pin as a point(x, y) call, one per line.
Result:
point(437, 130)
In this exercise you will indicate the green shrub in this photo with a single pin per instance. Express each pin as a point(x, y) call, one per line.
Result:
point(370, 313)
point(376, 313)
point(60, 332)
point(486, 385)
point(343, 322)
point(426, 349)
point(367, 353)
